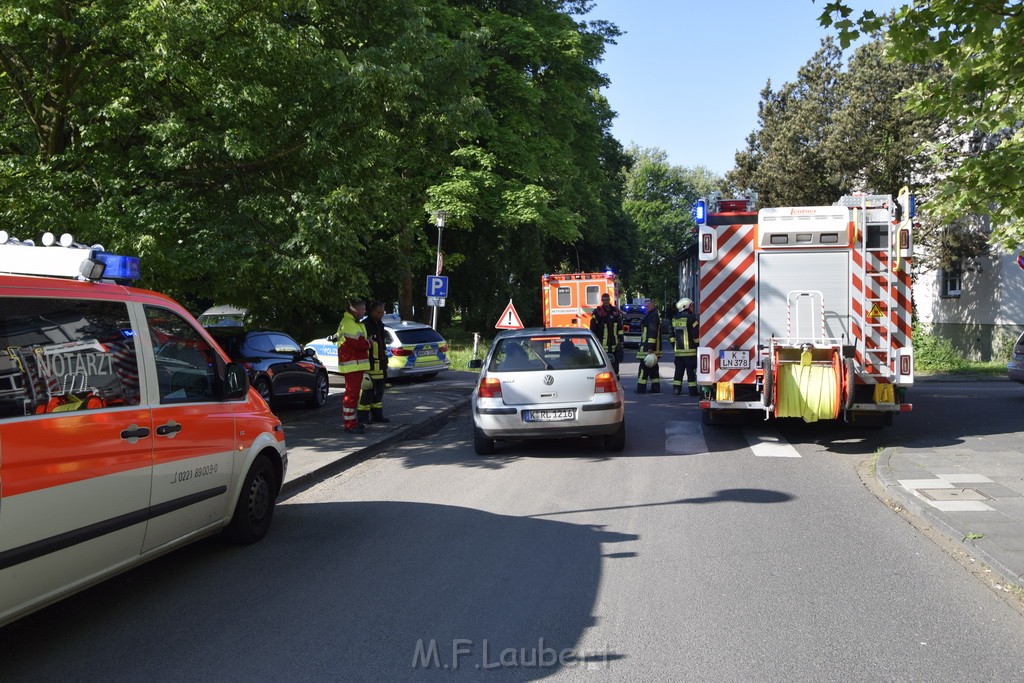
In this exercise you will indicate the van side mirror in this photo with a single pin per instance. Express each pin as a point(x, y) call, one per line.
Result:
point(476, 364)
point(236, 381)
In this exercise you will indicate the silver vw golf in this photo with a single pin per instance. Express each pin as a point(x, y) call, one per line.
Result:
point(547, 383)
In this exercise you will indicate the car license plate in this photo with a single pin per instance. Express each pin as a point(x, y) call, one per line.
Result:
point(734, 360)
point(549, 415)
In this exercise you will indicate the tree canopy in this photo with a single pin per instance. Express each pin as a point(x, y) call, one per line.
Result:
point(284, 155)
point(977, 93)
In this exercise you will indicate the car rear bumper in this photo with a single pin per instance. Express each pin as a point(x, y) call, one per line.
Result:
point(506, 422)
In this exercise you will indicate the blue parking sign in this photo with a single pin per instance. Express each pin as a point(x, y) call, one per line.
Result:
point(437, 285)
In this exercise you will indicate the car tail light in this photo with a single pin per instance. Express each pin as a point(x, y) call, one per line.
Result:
point(605, 383)
point(399, 351)
point(490, 387)
point(443, 348)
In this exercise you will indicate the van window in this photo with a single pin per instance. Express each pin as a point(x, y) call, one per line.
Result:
point(593, 296)
point(563, 297)
point(185, 364)
point(59, 355)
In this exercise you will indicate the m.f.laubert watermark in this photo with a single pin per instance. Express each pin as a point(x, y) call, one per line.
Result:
point(465, 653)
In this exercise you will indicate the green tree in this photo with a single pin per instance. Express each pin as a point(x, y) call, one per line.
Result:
point(792, 158)
point(659, 198)
point(976, 93)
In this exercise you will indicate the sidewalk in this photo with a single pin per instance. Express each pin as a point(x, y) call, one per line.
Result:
point(983, 508)
point(980, 504)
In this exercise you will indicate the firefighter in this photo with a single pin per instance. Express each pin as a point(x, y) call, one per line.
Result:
point(371, 408)
point(684, 341)
point(353, 361)
point(649, 352)
point(606, 324)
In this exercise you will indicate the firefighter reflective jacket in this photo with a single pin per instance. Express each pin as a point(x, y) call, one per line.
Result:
point(684, 334)
point(650, 335)
point(353, 345)
point(606, 324)
point(378, 347)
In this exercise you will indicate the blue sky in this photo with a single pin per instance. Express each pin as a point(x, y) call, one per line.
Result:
point(687, 74)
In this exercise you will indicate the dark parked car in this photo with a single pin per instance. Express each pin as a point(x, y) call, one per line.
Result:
point(279, 368)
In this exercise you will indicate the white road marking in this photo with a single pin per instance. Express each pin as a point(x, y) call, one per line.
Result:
point(765, 446)
point(684, 438)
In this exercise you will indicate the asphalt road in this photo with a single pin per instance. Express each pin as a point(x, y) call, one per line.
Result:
point(698, 554)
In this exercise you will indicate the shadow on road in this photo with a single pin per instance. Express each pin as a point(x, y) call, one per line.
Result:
point(341, 591)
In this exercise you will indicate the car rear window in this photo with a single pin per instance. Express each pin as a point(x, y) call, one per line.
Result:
point(546, 352)
point(422, 335)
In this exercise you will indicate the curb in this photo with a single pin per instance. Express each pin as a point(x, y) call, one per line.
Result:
point(348, 460)
point(924, 511)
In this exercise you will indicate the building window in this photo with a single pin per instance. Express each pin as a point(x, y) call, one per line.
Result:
point(952, 280)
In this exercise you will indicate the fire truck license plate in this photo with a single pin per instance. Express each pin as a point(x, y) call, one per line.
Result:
point(549, 415)
point(734, 360)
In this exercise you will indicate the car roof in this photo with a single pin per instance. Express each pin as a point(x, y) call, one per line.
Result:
point(406, 325)
point(534, 331)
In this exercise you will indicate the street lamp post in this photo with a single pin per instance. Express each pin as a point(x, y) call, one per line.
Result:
point(439, 216)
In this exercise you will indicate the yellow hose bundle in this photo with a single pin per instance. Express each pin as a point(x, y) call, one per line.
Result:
point(808, 391)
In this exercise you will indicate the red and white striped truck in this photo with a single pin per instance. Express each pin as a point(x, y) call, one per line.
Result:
point(805, 312)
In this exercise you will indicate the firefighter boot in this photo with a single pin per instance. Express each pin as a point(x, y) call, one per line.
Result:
point(363, 416)
point(641, 388)
point(677, 390)
point(655, 387)
point(378, 415)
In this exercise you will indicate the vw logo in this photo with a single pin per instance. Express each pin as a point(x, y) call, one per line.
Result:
point(548, 380)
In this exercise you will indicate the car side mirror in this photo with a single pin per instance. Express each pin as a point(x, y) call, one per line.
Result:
point(309, 353)
point(236, 381)
point(476, 364)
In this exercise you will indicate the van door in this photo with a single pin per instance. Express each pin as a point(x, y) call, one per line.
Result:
point(75, 446)
point(194, 430)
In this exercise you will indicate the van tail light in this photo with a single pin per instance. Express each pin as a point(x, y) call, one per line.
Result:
point(490, 387)
point(605, 383)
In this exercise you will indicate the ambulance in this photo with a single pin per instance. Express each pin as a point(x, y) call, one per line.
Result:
point(124, 430)
point(567, 299)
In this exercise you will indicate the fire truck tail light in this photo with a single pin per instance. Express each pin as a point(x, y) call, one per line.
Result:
point(906, 365)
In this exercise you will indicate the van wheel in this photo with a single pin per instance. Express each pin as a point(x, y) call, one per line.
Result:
point(481, 443)
point(616, 442)
point(255, 506)
point(321, 387)
point(262, 387)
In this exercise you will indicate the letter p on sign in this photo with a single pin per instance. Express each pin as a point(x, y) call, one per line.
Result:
point(437, 285)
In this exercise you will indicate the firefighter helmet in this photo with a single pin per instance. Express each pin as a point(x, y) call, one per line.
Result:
point(683, 304)
point(650, 360)
point(367, 384)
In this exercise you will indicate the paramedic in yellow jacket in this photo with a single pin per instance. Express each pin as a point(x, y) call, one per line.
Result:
point(353, 361)
point(684, 341)
point(371, 407)
point(649, 353)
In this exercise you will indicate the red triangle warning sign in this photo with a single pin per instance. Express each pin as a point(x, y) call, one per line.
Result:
point(509, 320)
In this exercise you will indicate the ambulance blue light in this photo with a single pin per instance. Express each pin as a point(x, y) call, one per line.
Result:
point(700, 212)
point(118, 267)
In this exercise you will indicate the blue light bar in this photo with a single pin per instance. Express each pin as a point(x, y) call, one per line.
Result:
point(700, 212)
point(913, 206)
point(118, 267)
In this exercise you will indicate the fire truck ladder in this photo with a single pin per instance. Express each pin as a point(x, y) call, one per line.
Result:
point(873, 220)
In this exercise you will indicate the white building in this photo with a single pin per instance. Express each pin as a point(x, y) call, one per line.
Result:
point(980, 310)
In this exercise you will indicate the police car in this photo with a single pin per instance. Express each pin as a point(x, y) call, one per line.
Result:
point(124, 430)
point(413, 349)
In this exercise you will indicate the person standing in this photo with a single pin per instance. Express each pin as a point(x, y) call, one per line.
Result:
point(371, 408)
point(353, 361)
point(650, 343)
point(685, 339)
point(606, 324)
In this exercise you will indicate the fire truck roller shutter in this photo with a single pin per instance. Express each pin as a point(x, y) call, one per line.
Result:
point(781, 273)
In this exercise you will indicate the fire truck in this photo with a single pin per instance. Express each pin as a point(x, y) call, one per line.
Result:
point(805, 311)
point(569, 298)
